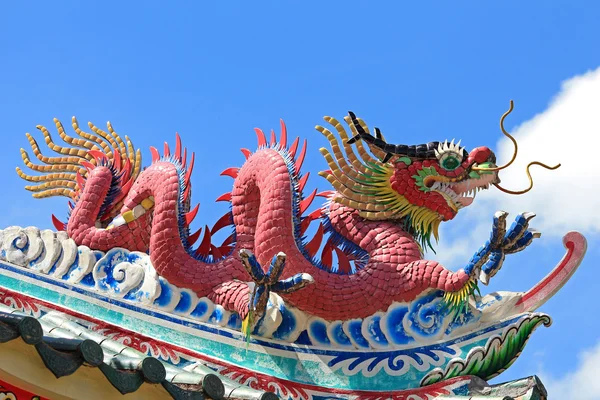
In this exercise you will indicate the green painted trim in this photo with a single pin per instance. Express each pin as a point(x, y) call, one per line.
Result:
point(405, 160)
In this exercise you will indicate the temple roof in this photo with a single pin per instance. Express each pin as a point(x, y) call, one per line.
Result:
point(64, 346)
point(530, 388)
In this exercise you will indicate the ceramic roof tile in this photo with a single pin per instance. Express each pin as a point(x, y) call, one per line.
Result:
point(64, 346)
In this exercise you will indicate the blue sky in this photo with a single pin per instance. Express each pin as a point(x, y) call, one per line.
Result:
point(213, 71)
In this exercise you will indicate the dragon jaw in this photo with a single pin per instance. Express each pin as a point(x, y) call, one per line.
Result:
point(461, 194)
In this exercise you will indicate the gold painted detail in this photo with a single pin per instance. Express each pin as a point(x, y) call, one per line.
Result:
point(133, 214)
point(59, 174)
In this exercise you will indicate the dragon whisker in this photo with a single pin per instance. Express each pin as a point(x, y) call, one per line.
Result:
point(514, 156)
point(528, 177)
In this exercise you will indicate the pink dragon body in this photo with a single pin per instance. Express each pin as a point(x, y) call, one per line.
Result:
point(370, 235)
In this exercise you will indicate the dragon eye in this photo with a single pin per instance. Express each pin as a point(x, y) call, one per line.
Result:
point(449, 155)
point(449, 162)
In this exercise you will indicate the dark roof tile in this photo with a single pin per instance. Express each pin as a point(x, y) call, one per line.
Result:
point(64, 346)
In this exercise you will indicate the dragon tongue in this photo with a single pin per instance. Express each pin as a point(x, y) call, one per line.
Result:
point(466, 201)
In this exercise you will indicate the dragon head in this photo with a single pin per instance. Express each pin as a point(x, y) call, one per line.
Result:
point(420, 185)
point(440, 178)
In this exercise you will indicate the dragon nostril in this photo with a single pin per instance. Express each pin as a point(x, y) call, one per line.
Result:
point(481, 154)
point(428, 182)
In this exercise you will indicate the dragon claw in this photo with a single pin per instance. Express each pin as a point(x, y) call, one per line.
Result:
point(484, 278)
point(498, 227)
point(488, 260)
point(268, 282)
point(517, 231)
point(293, 284)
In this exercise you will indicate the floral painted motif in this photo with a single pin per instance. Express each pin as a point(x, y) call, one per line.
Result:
point(10, 392)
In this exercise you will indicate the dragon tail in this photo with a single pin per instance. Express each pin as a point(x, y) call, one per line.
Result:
point(66, 174)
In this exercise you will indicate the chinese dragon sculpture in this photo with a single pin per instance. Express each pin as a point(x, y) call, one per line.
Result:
point(354, 283)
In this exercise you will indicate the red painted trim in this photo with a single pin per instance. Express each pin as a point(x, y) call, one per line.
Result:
point(576, 247)
point(7, 389)
point(558, 269)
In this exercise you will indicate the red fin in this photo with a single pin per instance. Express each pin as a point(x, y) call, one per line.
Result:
point(184, 161)
point(262, 140)
point(127, 168)
point(186, 192)
point(308, 219)
point(226, 249)
point(215, 251)
point(166, 151)
point(232, 172)
point(224, 197)
point(326, 193)
point(224, 221)
point(294, 147)
point(304, 204)
point(304, 225)
point(189, 217)
point(314, 244)
point(300, 159)
point(327, 254)
point(344, 266)
point(155, 154)
point(194, 237)
point(80, 181)
point(125, 188)
point(302, 181)
point(230, 239)
point(87, 165)
point(315, 214)
point(117, 159)
point(177, 147)
point(58, 224)
point(247, 153)
point(97, 155)
point(188, 173)
point(273, 138)
point(283, 137)
point(204, 247)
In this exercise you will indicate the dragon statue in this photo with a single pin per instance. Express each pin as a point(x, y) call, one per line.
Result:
point(366, 248)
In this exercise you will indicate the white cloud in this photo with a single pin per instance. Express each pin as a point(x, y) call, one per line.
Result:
point(582, 384)
point(567, 132)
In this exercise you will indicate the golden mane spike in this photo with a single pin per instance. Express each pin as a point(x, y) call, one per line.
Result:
point(58, 174)
point(122, 148)
point(50, 160)
point(88, 136)
point(86, 144)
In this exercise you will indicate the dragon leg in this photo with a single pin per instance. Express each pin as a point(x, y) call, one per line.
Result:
point(488, 260)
